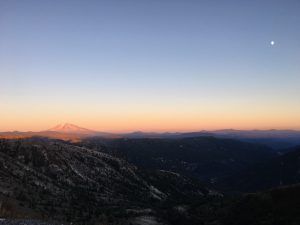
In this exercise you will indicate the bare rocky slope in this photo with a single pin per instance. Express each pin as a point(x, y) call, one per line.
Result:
point(54, 180)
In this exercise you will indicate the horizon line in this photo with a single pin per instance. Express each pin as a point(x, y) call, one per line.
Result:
point(155, 131)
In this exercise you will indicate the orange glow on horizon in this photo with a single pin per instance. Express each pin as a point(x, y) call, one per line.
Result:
point(159, 117)
point(154, 123)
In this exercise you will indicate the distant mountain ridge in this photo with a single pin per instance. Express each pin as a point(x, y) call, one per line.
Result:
point(276, 139)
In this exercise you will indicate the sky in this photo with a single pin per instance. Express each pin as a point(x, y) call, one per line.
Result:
point(150, 65)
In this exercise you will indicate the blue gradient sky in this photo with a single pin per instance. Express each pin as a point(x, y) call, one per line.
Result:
point(150, 64)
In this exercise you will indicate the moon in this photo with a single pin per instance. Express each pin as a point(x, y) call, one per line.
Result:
point(272, 42)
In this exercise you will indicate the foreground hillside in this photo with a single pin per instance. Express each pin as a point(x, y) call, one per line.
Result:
point(58, 183)
point(47, 179)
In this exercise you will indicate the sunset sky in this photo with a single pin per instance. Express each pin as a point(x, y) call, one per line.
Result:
point(151, 65)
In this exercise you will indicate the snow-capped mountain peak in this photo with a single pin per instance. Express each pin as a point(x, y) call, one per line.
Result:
point(70, 128)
